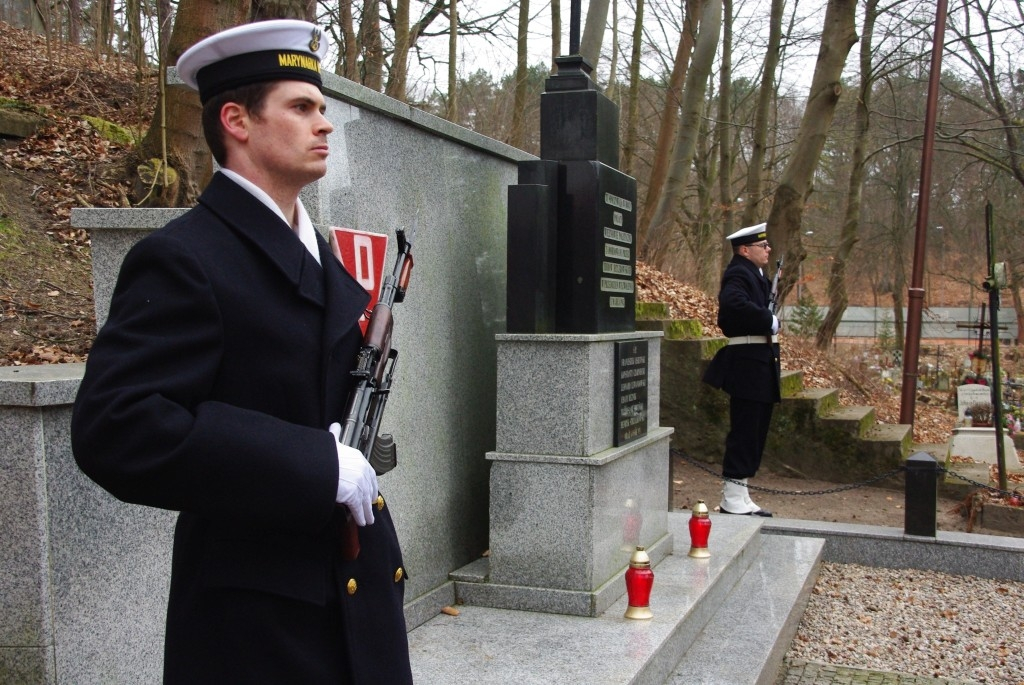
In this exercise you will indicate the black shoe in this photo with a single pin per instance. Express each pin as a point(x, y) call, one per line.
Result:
point(762, 512)
point(734, 513)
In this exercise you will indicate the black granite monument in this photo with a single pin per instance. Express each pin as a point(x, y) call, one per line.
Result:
point(572, 218)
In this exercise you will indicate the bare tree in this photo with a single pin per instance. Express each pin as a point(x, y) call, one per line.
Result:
point(629, 140)
point(400, 58)
point(348, 54)
point(786, 217)
point(593, 31)
point(452, 110)
point(556, 31)
point(837, 294)
point(755, 172)
point(978, 28)
point(669, 121)
point(722, 132)
point(657, 242)
point(612, 90)
point(372, 48)
point(516, 133)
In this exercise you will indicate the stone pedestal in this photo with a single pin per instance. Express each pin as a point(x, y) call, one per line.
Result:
point(567, 506)
point(980, 444)
point(83, 577)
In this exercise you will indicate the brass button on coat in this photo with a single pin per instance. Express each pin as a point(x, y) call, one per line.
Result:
point(351, 586)
point(399, 573)
point(379, 502)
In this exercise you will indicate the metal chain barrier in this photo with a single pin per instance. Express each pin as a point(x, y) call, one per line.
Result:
point(840, 488)
point(983, 486)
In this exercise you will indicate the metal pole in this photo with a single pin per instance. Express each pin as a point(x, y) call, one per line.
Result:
point(915, 296)
point(992, 285)
point(574, 27)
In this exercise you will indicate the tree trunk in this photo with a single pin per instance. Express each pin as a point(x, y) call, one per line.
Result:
point(517, 133)
point(612, 91)
point(400, 59)
point(838, 298)
point(74, 22)
point(703, 233)
point(452, 109)
point(350, 47)
point(164, 14)
point(899, 286)
point(669, 122)
point(373, 52)
point(593, 31)
point(755, 170)
point(724, 133)
point(556, 32)
point(786, 217)
point(658, 241)
point(629, 144)
point(133, 28)
point(175, 137)
point(262, 10)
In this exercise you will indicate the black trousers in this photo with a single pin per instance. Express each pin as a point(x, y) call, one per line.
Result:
point(748, 431)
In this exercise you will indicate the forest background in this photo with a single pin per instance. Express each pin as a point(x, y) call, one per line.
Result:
point(732, 112)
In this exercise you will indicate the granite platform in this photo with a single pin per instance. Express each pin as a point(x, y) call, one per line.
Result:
point(760, 569)
point(767, 578)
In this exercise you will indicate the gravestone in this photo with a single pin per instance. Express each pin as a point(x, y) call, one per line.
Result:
point(572, 218)
point(580, 471)
point(971, 393)
point(980, 445)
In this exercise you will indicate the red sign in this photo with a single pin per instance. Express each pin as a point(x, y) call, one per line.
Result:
point(362, 254)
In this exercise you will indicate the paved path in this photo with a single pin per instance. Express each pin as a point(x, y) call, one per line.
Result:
point(799, 672)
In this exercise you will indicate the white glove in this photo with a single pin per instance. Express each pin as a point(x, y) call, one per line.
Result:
point(357, 482)
point(775, 324)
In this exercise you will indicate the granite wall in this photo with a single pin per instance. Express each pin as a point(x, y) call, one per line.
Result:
point(83, 577)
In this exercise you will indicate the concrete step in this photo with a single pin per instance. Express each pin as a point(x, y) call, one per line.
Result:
point(792, 382)
point(757, 622)
point(498, 646)
point(820, 401)
point(674, 329)
point(853, 420)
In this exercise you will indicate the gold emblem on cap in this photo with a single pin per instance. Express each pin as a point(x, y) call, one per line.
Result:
point(351, 586)
point(314, 42)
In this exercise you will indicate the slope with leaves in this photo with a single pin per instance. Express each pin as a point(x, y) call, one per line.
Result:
point(91, 109)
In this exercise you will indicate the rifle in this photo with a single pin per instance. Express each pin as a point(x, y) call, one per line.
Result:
point(375, 368)
point(773, 298)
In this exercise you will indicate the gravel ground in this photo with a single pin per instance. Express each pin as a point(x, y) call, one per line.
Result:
point(923, 623)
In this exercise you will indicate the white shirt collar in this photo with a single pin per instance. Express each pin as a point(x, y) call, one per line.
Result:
point(304, 230)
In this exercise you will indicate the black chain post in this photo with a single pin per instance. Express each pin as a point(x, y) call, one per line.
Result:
point(921, 495)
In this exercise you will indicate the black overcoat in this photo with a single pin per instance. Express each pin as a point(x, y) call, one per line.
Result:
point(750, 371)
point(209, 391)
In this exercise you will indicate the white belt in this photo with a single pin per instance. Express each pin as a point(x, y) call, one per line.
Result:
point(752, 339)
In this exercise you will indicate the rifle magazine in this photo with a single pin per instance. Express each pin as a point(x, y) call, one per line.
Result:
point(384, 455)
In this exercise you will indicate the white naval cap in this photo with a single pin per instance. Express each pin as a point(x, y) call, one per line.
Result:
point(278, 49)
point(750, 234)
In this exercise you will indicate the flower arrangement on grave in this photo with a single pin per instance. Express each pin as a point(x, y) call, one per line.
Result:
point(979, 360)
point(981, 414)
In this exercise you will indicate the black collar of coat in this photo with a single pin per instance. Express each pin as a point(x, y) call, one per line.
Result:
point(249, 218)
